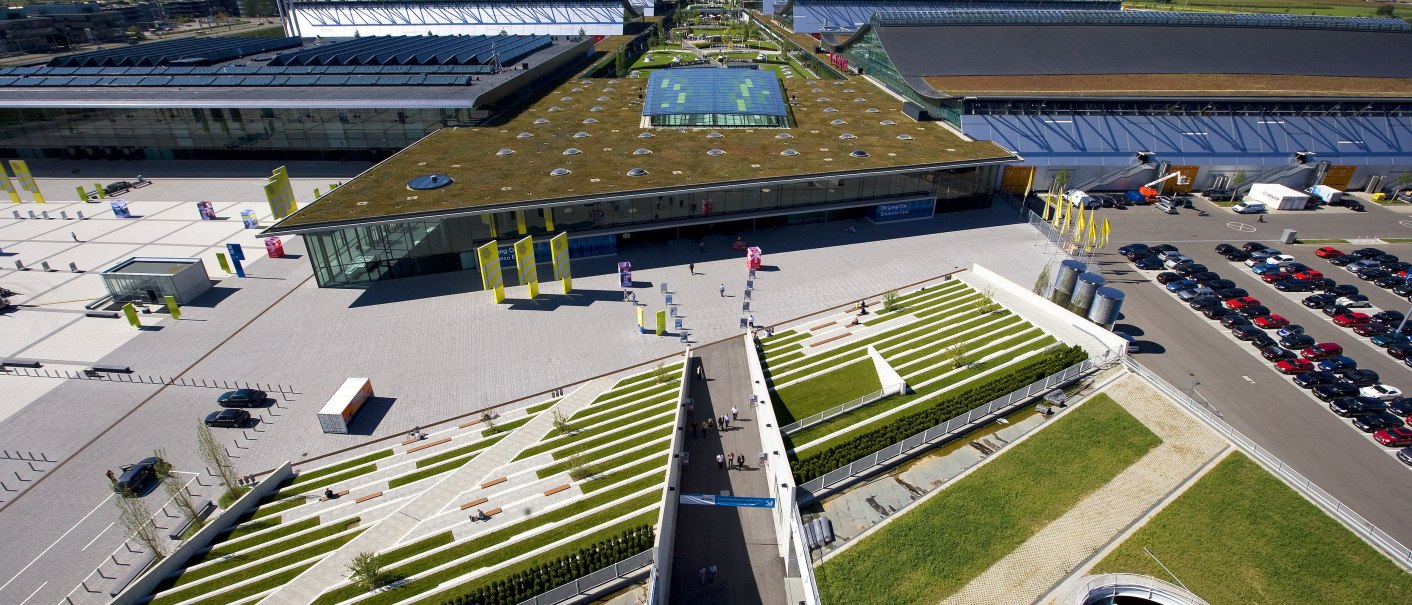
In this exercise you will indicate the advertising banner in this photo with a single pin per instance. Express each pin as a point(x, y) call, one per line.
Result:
point(559, 254)
point(207, 210)
point(548, 219)
point(173, 307)
point(10, 188)
point(661, 322)
point(274, 248)
point(488, 256)
point(221, 260)
point(25, 179)
point(120, 209)
point(641, 319)
point(520, 225)
point(902, 211)
point(524, 261)
point(236, 254)
point(130, 312)
point(752, 258)
point(249, 219)
point(280, 194)
point(625, 274)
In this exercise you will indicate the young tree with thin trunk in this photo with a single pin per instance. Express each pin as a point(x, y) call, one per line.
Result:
point(136, 519)
point(181, 498)
point(365, 571)
point(957, 353)
point(1041, 284)
point(216, 456)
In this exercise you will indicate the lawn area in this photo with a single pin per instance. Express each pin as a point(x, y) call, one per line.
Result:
point(659, 58)
point(809, 397)
point(306, 476)
point(933, 550)
point(1241, 536)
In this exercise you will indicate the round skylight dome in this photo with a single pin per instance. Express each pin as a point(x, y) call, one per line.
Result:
point(554, 109)
point(887, 123)
point(839, 122)
point(559, 172)
point(595, 108)
point(874, 110)
point(904, 137)
point(789, 152)
point(541, 121)
point(505, 152)
point(816, 89)
point(715, 152)
point(580, 135)
point(636, 172)
point(590, 121)
point(574, 90)
point(848, 90)
point(572, 151)
point(714, 135)
point(847, 136)
point(830, 110)
point(567, 98)
point(602, 98)
point(523, 135)
point(860, 100)
point(784, 135)
point(646, 135)
point(822, 99)
point(858, 153)
point(642, 152)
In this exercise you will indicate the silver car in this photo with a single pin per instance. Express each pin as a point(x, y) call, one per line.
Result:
point(1191, 293)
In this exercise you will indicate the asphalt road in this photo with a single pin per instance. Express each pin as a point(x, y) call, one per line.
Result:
point(1184, 347)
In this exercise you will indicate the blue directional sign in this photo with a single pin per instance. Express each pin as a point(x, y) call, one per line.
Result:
point(236, 255)
point(736, 501)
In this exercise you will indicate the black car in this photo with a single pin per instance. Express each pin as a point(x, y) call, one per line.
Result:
point(1400, 350)
point(1343, 290)
point(1403, 289)
point(1201, 303)
point(1190, 269)
point(1150, 263)
point(1167, 277)
point(1390, 281)
point(1349, 406)
point(1309, 380)
point(1220, 284)
point(1367, 253)
point(1335, 390)
point(1232, 320)
point(1322, 284)
point(1218, 312)
point(1374, 274)
point(1336, 310)
point(1138, 255)
point(1229, 293)
point(1133, 248)
point(1236, 255)
point(1391, 338)
point(1402, 406)
point(1388, 317)
point(137, 475)
point(1345, 260)
point(1246, 332)
point(1361, 376)
point(1253, 246)
point(1355, 205)
point(1318, 301)
point(1224, 248)
point(1294, 285)
point(1206, 277)
point(1372, 423)
point(229, 418)
point(1262, 341)
point(242, 398)
point(1160, 248)
point(1277, 353)
point(1220, 195)
point(1385, 259)
point(1297, 341)
point(1253, 311)
point(1399, 267)
point(1296, 268)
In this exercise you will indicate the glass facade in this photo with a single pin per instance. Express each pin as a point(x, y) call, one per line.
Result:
point(722, 120)
point(356, 256)
point(214, 133)
point(869, 56)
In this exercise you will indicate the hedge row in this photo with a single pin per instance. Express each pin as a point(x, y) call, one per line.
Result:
point(540, 578)
point(814, 464)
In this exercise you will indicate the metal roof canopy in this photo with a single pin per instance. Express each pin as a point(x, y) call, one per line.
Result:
point(711, 90)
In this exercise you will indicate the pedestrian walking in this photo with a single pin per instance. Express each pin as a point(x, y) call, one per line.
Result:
point(730, 460)
point(752, 320)
point(723, 290)
point(720, 461)
point(735, 412)
point(701, 573)
point(700, 372)
point(740, 460)
point(691, 267)
point(711, 573)
point(762, 459)
point(73, 235)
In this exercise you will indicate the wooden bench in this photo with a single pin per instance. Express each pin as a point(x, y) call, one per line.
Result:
point(476, 502)
point(830, 339)
point(428, 444)
point(467, 424)
point(492, 482)
point(410, 441)
point(492, 512)
point(822, 326)
point(367, 497)
point(335, 494)
point(551, 492)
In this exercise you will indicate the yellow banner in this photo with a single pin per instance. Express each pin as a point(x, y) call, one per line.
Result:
point(520, 222)
point(524, 261)
point(26, 180)
point(10, 189)
point(548, 219)
point(280, 194)
point(559, 254)
point(490, 278)
point(641, 321)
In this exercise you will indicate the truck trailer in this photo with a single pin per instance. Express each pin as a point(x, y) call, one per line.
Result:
point(1278, 197)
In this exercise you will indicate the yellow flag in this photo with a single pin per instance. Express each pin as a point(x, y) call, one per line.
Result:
point(1079, 226)
point(1058, 210)
point(1106, 231)
point(1092, 234)
point(1068, 214)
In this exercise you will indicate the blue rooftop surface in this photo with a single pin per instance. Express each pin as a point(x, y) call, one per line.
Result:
point(712, 90)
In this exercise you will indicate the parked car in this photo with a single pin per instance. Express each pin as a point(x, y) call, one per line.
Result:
point(1295, 285)
point(1356, 301)
point(1254, 311)
point(1402, 406)
point(1270, 322)
point(1294, 366)
point(1323, 350)
point(1150, 263)
point(1215, 312)
point(1373, 275)
point(1167, 277)
point(135, 476)
point(1220, 285)
point(1372, 328)
point(1165, 207)
point(1326, 252)
point(1206, 277)
point(1190, 269)
point(1290, 330)
point(242, 398)
point(1334, 310)
point(1358, 266)
point(1338, 364)
point(1309, 274)
point(1343, 290)
point(1176, 260)
point(1385, 259)
point(1274, 277)
point(1224, 248)
point(1198, 292)
point(1351, 319)
point(1236, 255)
point(1134, 248)
point(1297, 342)
point(229, 418)
point(1262, 340)
point(1370, 423)
point(1245, 332)
point(1279, 259)
point(1391, 317)
point(1349, 407)
point(1390, 281)
point(1381, 392)
point(1318, 301)
point(1367, 253)
point(1231, 320)
point(1395, 437)
point(1322, 284)
point(1180, 285)
point(1202, 303)
point(1236, 303)
point(1230, 293)
point(1391, 338)
point(1332, 391)
point(1345, 260)
point(1278, 353)
point(1314, 378)
point(1403, 289)
point(1400, 350)
point(1253, 246)
point(1219, 195)
point(1362, 377)
point(1167, 252)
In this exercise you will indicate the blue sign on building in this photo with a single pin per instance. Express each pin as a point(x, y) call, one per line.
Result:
point(736, 501)
point(902, 211)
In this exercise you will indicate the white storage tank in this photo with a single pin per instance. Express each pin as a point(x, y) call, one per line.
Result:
point(1106, 304)
point(1088, 284)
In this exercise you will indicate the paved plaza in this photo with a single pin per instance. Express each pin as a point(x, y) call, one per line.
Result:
point(435, 348)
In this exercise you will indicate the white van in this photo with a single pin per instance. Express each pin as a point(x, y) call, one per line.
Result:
point(1249, 208)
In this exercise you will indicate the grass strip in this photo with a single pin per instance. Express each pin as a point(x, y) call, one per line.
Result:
point(1240, 535)
point(535, 409)
point(881, 340)
point(325, 481)
point(652, 373)
point(245, 529)
point(230, 546)
point(278, 507)
point(609, 437)
point(254, 588)
point(780, 336)
point(458, 452)
point(777, 342)
point(597, 483)
point(583, 422)
point(934, 372)
point(650, 391)
point(923, 309)
point(506, 427)
point(987, 514)
point(504, 538)
point(289, 555)
point(593, 432)
point(978, 344)
point(909, 303)
point(629, 449)
point(786, 358)
point(267, 550)
point(307, 476)
point(814, 395)
point(940, 340)
point(408, 551)
point(430, 471)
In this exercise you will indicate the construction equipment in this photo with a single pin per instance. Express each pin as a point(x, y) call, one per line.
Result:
point(1151, 193)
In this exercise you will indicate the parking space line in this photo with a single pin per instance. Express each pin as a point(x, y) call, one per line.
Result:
point(56, 541)
point(100, 535)
point(36, 591)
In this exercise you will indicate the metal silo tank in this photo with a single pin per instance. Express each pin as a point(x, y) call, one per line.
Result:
point(1069, 271)
point(1082, 298)
point(1106, 304)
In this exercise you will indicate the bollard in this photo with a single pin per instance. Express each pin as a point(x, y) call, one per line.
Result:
point(80, 214)
point(17, 214)
point(31, 214)
point(73, 268)
point(64, 214)
point(19, 265)
point(45, 214)
point(44, 264)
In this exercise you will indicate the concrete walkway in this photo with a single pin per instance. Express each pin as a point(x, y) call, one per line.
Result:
point(740, 542)
point(332, 569)
point(1029, 572)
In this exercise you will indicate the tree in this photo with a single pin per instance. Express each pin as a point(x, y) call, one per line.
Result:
point(957, 353)
point(1386, 10)
point(561, 423)
point(365, 571)
point(662, 374)
point(215, 455)
point(986, 303)
point(1041, 284)
point(489, 422)
point(1238, 179)
point(136, 520)
point(620, 66)
point(1061, 181)
point(176, 490)
point(889, 300)
point(580, 468)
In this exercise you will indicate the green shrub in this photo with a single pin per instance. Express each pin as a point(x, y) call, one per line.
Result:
point(530, 578)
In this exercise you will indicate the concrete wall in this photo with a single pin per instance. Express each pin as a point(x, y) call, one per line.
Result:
point(659, 585)
point(1054, 313)
point(777, 470)
point(142, 587)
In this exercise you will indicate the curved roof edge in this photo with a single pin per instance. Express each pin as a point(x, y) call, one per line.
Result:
point(1166, 18)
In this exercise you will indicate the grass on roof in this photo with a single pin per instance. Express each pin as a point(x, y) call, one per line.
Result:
point(835, 387)
point(1178, 85)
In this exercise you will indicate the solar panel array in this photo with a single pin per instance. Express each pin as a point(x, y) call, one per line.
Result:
point(418, 50)
point(190, 51)
point(709, 90)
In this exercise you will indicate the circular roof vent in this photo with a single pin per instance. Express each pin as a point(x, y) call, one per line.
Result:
point(789, 152)
point(541, 121)
point(830, 110)
point(858, 153)
point(570, 98)
point(646, 135)
point(714, 135)
point(715, 152)
point(784, 135)
point(860, 100)
point(904, 137)
point(612, 81)
point(595, 108)
point(610, 88)
point(523, 135)
point(580, 135)
point(572, 151)
point(428, 182)
point(847, 136)
point(574, 90)
point(642, 151)
point(559, 172)
point(602, 98)
point(590, 121)
point(815, 89)
point(887, 123)
point(822, 99)
point(505, 152)
point(812, 82)
point(554, 109)
point(839, 122)
point(636, 172)
point(848, 90)
point(874, 110)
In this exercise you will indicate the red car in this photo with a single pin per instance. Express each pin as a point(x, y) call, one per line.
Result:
point(1244, 301)
point(1271, 278)
point(1328, 252)
point(1348, 320)
point(1310, 274)
point(1395, 437)
point(1323, 350)
point(1270, 322)
point(1294, 366)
